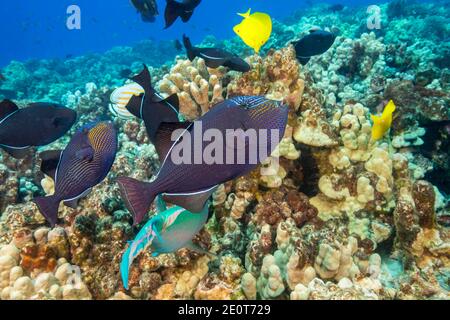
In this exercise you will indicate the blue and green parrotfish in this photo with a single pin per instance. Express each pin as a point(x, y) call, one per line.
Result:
point(169, 230)
point(83, 164)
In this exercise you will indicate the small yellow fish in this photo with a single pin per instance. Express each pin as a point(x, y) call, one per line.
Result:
point(255, 29)
point(120, 98)
point(382, 124)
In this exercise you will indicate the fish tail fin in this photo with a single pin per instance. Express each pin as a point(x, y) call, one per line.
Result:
point(144, 79)
point(125, 267)
point(138, 197)
point(173, 10)
point(245, 15)
point(189, 48)
point(48, 206)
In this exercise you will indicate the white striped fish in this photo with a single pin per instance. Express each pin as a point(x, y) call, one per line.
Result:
point(120, 98)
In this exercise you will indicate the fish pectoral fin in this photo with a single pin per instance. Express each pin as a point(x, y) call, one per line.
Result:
point(6, 108)
point(164, 139)
point(17, 153)
point(194, 202)
point(160, 204)
point(49, 162)
point(87, 153)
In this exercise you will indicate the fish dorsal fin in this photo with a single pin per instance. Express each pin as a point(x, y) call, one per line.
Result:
point(6, 108)
point(135, 104)
point(245, 15)
point(49, 162)
point(144, 79)
point(164, 139)
point(389, 109)
point(193, 202)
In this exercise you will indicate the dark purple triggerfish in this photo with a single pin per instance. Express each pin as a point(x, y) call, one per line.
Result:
point(36, 125)
point(151, 107)
point(183, 9)
point(83, 164)
point(190, 183)
point(215, 57)
point(315, 43)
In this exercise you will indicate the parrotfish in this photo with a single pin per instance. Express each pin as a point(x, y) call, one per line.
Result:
point(150, 106)
point(215, 57)
point(83, 164)
point(315, 43)
point(147, 8)
point(382, 124)
point(184, 10)
point(190, 182)
point(255, 30)
point(36, 125)
point(166, 232)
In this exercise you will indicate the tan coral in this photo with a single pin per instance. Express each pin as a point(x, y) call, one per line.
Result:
point(198, 87)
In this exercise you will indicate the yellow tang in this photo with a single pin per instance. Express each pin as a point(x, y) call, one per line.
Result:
point(255, 29)
point(382, 124)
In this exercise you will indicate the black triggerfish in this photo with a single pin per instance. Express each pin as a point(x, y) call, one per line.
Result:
point(150, 106)
point(315, 43)
point(147, 8)
point(83, 164)
point(215, 57)
point(183, 9)
point(36, 125)
point(190, 183)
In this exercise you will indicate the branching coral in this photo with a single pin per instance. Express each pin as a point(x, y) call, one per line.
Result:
point(198, 87)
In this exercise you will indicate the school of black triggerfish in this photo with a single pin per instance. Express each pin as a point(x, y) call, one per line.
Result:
point(89, 156)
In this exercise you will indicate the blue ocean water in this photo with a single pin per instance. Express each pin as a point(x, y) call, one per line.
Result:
point(37, 29)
